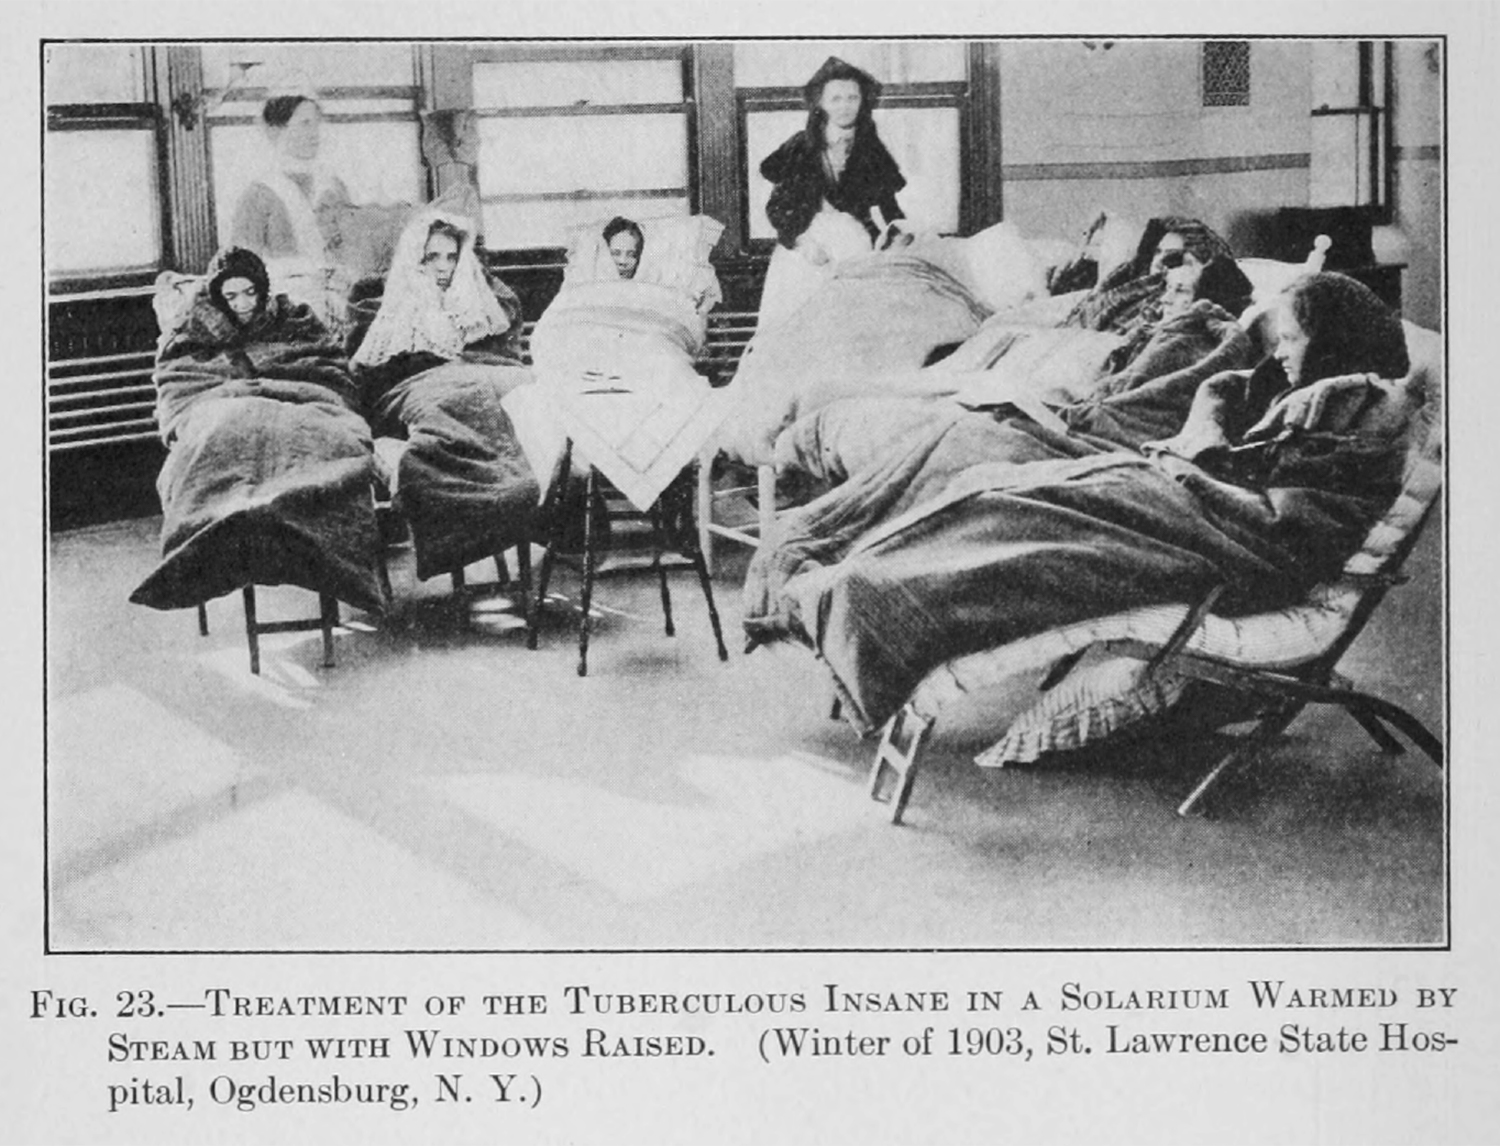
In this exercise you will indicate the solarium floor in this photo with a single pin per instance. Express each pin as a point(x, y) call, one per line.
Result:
point(443, 788)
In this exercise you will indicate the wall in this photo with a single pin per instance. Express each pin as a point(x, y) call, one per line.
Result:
point(1125, 128)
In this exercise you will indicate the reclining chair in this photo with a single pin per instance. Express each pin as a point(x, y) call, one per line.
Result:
point(1279, 661)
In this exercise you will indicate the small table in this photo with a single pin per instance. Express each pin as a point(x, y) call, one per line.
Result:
point(661, 543)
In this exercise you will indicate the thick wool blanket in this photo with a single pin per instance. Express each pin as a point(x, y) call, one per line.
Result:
point(268, 475)
point(879, 317)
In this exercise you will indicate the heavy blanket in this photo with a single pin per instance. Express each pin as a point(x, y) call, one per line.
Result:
point(942, 550)
point(879, 316)
point(267, 479)
point(464, 484)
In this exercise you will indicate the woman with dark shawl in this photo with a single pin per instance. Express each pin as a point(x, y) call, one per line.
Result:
point(1274, 480)
point(1130, 297)
point(828, 181)
point(268, 475)
point(434, 363)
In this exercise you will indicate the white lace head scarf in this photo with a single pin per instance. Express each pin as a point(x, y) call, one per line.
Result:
point(416, 315)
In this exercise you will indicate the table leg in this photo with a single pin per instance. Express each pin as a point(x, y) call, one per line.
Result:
point(708, 595)
point(659, 546)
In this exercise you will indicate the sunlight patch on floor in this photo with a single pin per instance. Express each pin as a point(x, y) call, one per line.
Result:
point(286, 873)
point(728, 811)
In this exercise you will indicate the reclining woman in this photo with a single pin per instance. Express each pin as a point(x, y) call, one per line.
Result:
point(626, 242)
point(433, 365)
point(1146, 394)
point(1272, 481)
point(268, 475)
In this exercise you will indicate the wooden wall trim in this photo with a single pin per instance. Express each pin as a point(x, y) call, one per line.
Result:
point(981, 171)
point(718, 141)
point(1159, 168)
point(191, 237)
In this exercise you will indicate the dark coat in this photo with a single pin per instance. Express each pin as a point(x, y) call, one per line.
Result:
point(870, 178)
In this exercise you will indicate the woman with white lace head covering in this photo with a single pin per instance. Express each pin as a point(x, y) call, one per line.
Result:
point(433, 364)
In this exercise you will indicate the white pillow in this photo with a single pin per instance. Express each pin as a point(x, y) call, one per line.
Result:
point(675, 255)
point(1001, 268)
point(174, 298)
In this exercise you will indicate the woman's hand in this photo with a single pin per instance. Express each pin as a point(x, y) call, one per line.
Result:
point(812, 250)
point(1190, 443)
point(1332, 405)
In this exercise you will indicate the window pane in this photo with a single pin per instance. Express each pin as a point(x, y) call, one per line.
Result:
point(101, 204)
point(378, 162)
point(94, 73)
point(550, 222)
point(319, 65)
point(557, 83)
point(924, 142)
point(582, 153)
point(791, 63)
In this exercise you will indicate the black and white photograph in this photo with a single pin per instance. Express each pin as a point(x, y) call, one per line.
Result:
point(659, 445)
point(709, 500)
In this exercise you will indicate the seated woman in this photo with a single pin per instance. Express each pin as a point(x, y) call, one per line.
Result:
point(1274, 480)
point(433, 365)
point(267, 479)
point(626, 242)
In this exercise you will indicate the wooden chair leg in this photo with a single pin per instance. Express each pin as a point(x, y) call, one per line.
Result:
point(1243, 753)
point(900, 759)
point(523, 575)
point(705, 505)
point(252, 630)
point(328, 614)
point(556, 488)
point(459, 582)
point(202, 618)
point(587, 596)
point(836, 707)
point(502, 570)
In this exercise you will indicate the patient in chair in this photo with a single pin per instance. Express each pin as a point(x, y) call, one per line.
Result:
point(268, 472)
point(433, 366)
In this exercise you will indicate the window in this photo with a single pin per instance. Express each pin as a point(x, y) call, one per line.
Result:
point(1226, 73)
point(369, 96)
point(627, 121)
point(102, 146)
point(921, 117)
point(1350, 124)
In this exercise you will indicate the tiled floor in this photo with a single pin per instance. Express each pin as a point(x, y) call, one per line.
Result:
point(444, 788)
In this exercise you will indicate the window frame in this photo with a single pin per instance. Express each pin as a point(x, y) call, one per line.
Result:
point(1379, 163)
point(919, 96)
point(143, 114)
point(682, 52)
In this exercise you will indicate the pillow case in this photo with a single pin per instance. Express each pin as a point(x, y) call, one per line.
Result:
point(997, 266)
point(675, 255)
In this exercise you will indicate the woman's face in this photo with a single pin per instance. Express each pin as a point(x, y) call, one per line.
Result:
point(242, 298)
point(302, 134)
point(440, 258)
point(1172, 252)
point(1181, 289)
point(625, 250)
point(840, 102)
point(1291, 344)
